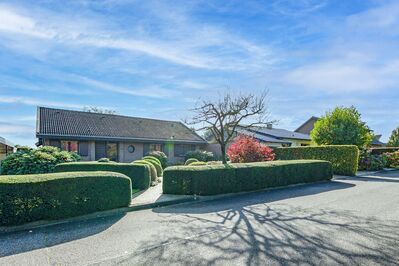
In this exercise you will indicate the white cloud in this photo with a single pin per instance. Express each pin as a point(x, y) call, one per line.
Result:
point(35, 102)
point(184, 43)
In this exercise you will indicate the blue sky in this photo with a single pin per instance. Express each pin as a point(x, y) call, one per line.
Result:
point(157, 58)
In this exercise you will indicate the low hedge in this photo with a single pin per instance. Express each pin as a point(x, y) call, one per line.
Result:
point(238, 177)
point(139, 174)
point(27, 198)
point(155, 162)
point(153, 170)
point(344, 158)
point(190, 161)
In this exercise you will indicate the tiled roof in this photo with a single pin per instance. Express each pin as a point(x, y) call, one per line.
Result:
point(67, 123)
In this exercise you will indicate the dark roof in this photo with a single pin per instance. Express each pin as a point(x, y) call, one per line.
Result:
point(6, 142)
point(280, 133)
point(308, 126)
point(376, 141)
point(261, 137)
point(85, 125)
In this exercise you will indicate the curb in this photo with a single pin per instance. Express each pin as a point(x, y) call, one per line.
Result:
point(101, 214)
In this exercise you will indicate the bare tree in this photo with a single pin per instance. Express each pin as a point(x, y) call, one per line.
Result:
point(93, 109)
point(222, 117)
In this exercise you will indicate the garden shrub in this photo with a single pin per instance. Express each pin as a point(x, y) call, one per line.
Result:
point(103, 160)
point(203, 156)
point(344, 158)
point(139, 174)
point(155, 163)
point(392, 159)
point(198, 163)
point(371, 162)
point(27, 198)
point(153, 170)
point(153, 158)
point(190, 161)
point(160, 156)
point(238, 177)
point(35, 161)
point(246, 149)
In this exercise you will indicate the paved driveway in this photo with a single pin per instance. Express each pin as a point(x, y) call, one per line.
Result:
point(353, 221)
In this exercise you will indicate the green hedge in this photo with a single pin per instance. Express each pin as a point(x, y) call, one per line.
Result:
point(344, 158)
point(231, 178)
point(153, 170)
point(190, 161)
point(139, 174)
point(155, 162)
point(27, 198)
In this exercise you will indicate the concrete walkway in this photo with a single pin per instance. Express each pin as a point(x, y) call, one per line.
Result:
point(154, 195)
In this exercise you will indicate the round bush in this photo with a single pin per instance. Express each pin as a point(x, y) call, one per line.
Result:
point(203, 156)
point(190, 161)
point(153, 170)
point(35, 161)
point(160, 156)
point(103, 160)
point(155, 163)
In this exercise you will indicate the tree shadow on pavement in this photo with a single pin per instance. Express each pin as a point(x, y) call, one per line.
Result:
point(24, 241)
point(250, 231)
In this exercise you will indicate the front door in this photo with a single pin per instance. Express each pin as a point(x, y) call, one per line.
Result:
point(101, 150)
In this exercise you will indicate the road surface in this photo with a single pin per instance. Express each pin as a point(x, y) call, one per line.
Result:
point(353, 221)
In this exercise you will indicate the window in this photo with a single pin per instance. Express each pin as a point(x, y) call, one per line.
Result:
point(71, 146)
point(181, 149)
point(55, 143)
point(83, 148)
point(112, 151)
point(155, 147)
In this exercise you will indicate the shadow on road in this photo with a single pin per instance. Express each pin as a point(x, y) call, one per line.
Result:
point(247, 230)
point(53, 235)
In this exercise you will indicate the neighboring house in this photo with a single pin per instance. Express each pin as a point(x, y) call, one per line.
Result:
point(276, 137)
point(119, 138)
point(377, 142)
point(308, 126)
point(6, 148)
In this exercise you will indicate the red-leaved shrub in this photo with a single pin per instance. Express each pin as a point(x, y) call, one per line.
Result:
point(246, 149)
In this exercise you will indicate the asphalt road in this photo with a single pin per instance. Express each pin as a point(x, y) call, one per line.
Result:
point(352, 221)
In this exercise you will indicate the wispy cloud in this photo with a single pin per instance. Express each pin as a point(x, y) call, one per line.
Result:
point(36, 102)
point(189, 46)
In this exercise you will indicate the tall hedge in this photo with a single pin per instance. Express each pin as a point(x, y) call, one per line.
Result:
point(139, 174)
point(27, 198)
point(231, 178)
point(344, 158)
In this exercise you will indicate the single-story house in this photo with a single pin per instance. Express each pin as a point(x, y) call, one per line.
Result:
point(6, 147)
point(276, 137)
point(119, 138)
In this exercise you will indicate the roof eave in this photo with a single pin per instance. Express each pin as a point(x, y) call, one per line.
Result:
point(80, 137)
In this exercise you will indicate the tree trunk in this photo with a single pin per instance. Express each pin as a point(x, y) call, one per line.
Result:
point(223, 149)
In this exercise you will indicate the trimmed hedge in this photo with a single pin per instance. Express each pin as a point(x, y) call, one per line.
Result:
point(154, 158)
point(139, 174)
point(344, 158)
point(198, 163)
point(232, 178)
point(190, 161)
point(153, 170)
point(27, 198)
point(155, 163)
point(161, 156)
